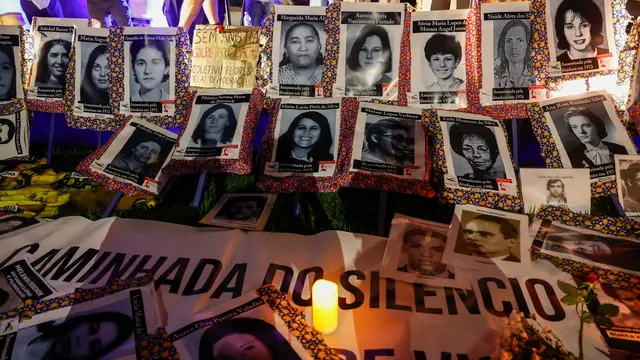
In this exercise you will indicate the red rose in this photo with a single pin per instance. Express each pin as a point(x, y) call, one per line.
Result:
point(592, 278)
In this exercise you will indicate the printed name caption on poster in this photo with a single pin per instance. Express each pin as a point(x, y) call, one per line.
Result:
point(25, 281)
point(222, 99)
point(596, 63)
point(508, 15)
point(469, 121)
point(209, 152)
point(124, 174)
point(307, 18)
point(148, 107)
point(297, 90)
point(9, 40)
point(371, 18)
point(489, 184)
point(392, 114)
point(601, 171)
point(521, 93)
point(356, 90)
point(381, 168)
point(330, 106)
point(577, 102)
point(439, 26)
point(438, 97)
point(92, 39)
point(55, 28)
point(624, 333)
point(96, 109)
point(47, 92)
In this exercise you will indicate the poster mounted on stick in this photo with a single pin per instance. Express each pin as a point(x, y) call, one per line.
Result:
point(14, 135)
point(91, 82)
point(568, 188)
point(438, 59)
point(224, 59)
point(11, 60)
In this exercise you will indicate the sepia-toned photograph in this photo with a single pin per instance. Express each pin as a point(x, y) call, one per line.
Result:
point(414, 254)
point(567, 188)
point(481, 237)
point(241, 211)
point(628, 181)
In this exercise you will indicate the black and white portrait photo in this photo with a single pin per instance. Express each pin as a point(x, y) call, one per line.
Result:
point(512, 54)
point(443, 54)
point(301, 48)
point(241, 211)
point(53, 49)
point(567, 188)
point(149, 79)
point(485, 236)
point(91, 79)
point(389, 140)
point(14, 135)
point(216, 126)
point(589, 133)
point(10, 70)
point(556, 192)
point(628, 181)
point(580, 33)
point(478, 155)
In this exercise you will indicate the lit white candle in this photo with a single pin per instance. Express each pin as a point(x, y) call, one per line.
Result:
point(325, 306)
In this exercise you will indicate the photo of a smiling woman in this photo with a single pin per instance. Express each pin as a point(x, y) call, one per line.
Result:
point(7, 131)
point(150, 66)
point(244, 339)
point(53, 61)
point(443, 53)
point(308, 139)
point(143, 154)
point(369, 60)
point(578, 27)
point(302, 59)
point(216, 127)
point(7, 73)
point(84, 337)
point(94, 88)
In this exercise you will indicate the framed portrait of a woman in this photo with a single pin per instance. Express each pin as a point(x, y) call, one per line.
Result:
point(389, 140)
point(306, 138)
point(136, 155)
point(506, 55)
point(10, 64)
point(150, 71)
point(298, 47)
point(215, 127)
point(91, 81)
point(14, 135)
point(438, 59)
point(476, 153)
point(581, 36)
point(588, 132)
point(369, 55)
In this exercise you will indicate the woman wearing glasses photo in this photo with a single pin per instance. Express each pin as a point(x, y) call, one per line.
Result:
point(389, 141)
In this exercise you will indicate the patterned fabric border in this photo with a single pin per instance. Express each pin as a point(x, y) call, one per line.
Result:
point(265, 63)
point(292, 183)
point(540, 43)
point(457, 196)
point(550, 152)
point(82, 122)
point(606, 225)
point(332, 51)
point(627, 65)
point(243, 164)
point(108, 183)
point(116, 75)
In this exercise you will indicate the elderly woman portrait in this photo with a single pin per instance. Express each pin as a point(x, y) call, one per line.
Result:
point(53, 61)
point(369, 59)
point(150, 65)
point(478, 145)
point(590, 130)
point(94, 88)
point(7, 73)
point(244, 339)
point(302, 59)
point(513, 62)
point(7, 131)
point(578, 25)
point(389, 141)
point(143, 156)
point(216, 127)
point(443, 53)
point(86, 337)
point(307, 140)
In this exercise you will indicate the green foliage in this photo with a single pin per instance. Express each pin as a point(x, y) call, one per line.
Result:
point(567, 288)
point(609, 310)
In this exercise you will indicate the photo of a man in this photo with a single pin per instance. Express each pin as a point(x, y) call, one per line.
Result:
point(245, 208)
point(424, 249)
point(241, 211)
point(630, 298)
point(556, 192)
point(630, 186)
point(489, 236)
point(389, 141)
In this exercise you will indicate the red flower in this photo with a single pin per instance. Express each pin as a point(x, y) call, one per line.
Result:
point(592, 278)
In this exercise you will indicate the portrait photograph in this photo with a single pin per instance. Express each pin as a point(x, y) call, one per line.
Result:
point(217, 125)
point(389, 141)
point(587, 246)
point(369, 50)
point(589, 134)
point(580, 34)
point(242, 328)
point(481, 237)
point(414, 254)
point(241, 211)
point(627, 302)
point(14, 135)
point(10, 65)
point(565, 188)
point(12, 223)
point(628, 181)
point(91, 81)
point(300, 46)
point(51, 63)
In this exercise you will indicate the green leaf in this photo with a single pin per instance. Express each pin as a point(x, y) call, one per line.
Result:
point(586, 315)
point(570, 299)
point(588, 321)
point(583, 294)
point(604, 321)
point(608, 310)
point(567, 288)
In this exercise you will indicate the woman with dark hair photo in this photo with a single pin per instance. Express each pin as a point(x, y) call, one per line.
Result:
point(307, 140)
point(478, 145)
point(244, 339)
point(302, 60)
point(578, 25)
point(589, 129)
point(7, 131)
point(150, 65)
point(141, 159)
point(94, 88)
point(53, 61)
point(216, 127)
point(7, 73)
point(443, 53)
point(370, 58)
point(84, 337)
point(513, 64)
